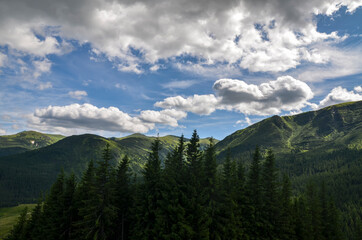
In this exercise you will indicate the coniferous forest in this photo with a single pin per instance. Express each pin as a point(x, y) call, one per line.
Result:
point(188, 196)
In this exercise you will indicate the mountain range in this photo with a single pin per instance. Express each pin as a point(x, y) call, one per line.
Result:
point(318, 144)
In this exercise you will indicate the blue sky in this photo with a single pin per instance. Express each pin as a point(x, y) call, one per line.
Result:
point(118, 67)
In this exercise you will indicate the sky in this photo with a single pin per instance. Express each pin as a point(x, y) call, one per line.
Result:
point(168, 67)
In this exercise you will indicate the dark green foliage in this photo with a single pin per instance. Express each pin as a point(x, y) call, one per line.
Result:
point(123, 199)
point(187, 199)
point(19, 230)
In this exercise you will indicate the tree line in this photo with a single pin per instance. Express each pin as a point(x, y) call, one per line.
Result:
point(188, 196)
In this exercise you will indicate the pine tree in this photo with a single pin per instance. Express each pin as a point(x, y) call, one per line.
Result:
point(54, 208)
point(105, 211)
point(85, 202)
point(229, 198)
point(285, 221)
point(19, 230)
point(241, 200)
point(270, 206)
point(254, 201)
point(69, 212)
point(196, 214)
point(147, 224)
point(212, 206)
point(35, 224)
point(123, 199)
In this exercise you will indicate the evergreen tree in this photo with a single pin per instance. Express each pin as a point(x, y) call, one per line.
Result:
point(196, 214)
point(123, 199)
point(254, 201)
point(229, 198)
point(19, 230)
point(173, 202)
point(105, 211)
point(285, 221)
point(85, 199)
point(270, 206)
point(70, 212)
point(211, 194)
point(241, 200)
point(54, 208)
point(35, 224)
point(147, 224)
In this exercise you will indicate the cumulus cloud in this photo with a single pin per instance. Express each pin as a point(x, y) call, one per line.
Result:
point(166, 117)
point(339, 95)
point(2, 131)
point(77, 94)
point(199, 104)
point(69, 118)
point(358, 89)
point(285, 93)
point(212, 31)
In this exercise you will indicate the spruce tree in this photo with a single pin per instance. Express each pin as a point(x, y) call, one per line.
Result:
point(285, 220)
point(54, 208)
point(85, 199)
point(254, 201)
point(69, 212)
point(196, 214)
point(211, 194)
point(35, 224)
point(270, 206)
point(229, 198)
point(19, 230)
point(147, 224)
point(123, 199)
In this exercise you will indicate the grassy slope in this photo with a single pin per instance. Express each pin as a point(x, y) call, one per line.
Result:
point(9, 216)
point(322, 130)
point(25, 141)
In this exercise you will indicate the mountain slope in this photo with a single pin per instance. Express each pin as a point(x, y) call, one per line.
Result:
point(327, 129)
point(25, 141)
point(25, 175)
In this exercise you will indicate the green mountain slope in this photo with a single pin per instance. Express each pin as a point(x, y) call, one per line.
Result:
point(330, 128)
point(25, 141)
point(25, 175)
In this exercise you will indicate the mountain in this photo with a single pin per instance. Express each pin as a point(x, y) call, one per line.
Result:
point(325, 130)
point(25, 141)
point(25, 175)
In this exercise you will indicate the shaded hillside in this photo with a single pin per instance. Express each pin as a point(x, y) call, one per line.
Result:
point(25, 141)
point(25, 175)
point(330, 128)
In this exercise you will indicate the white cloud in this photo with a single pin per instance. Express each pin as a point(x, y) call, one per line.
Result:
point(358, 89)
point(179, 84)
point(77, 94)
point(2, 131)
point(89, 117)
point(213, 31)
point(340, 63)
point(46, 85)
point(76, 118)
point(3, 59)
point(166, 117)
point(339, 95)
point(285, 93)
point(41, 67)
point(199, 104)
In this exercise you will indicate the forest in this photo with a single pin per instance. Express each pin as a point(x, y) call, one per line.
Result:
point(188, 196)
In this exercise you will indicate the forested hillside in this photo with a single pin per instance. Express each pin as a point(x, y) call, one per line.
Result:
point(24, 176)
point(25, 141)
point(188, 198)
